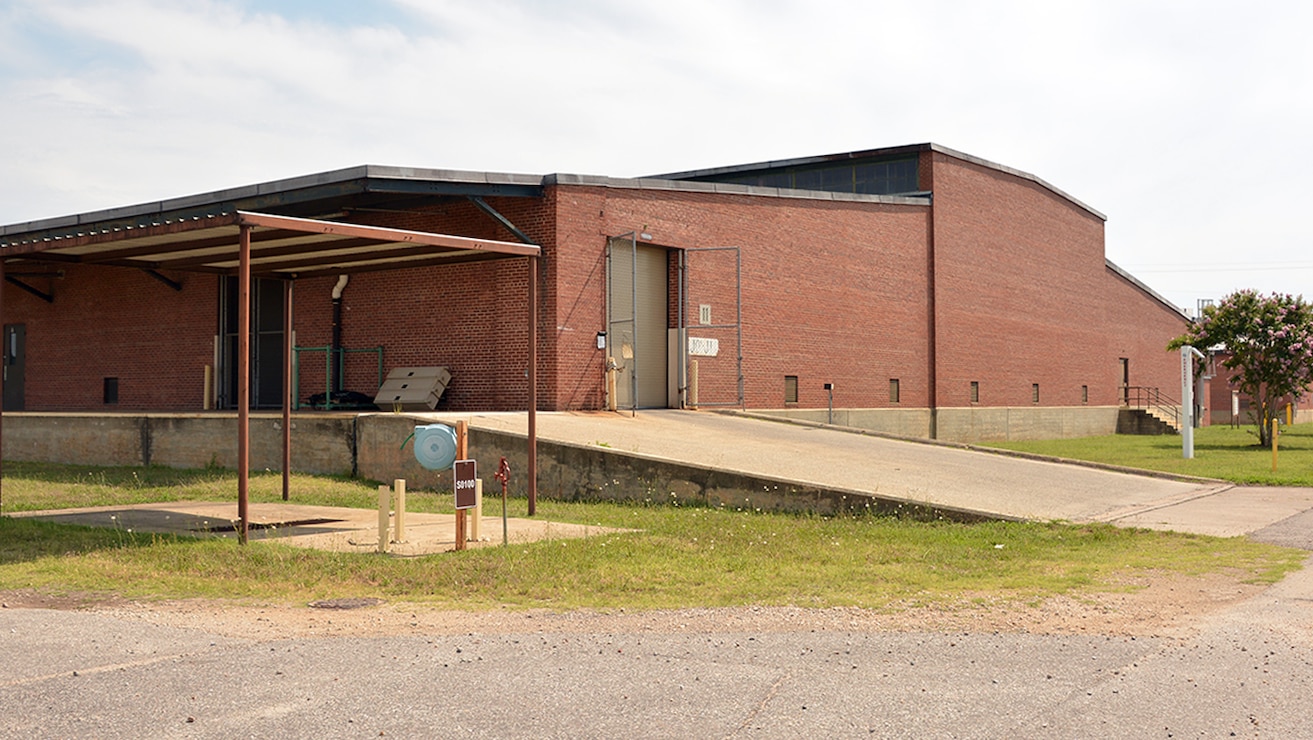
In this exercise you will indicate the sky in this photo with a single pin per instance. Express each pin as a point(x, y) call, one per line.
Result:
point(1188, 124)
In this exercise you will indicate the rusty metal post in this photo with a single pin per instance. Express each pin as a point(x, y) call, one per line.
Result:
point(532, 473)
point(243, 379)
point(504, 475)
point(4, 372)
point(287, 389)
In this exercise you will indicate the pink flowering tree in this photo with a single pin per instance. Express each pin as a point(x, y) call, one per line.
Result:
point(1269, 340)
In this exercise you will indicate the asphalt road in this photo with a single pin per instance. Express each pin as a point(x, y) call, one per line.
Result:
point(1244, 672)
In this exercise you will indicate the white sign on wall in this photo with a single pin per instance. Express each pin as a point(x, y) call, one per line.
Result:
point(700, 347)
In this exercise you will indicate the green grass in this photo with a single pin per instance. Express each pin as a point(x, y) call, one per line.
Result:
point(1220, 452)
point(682, 557)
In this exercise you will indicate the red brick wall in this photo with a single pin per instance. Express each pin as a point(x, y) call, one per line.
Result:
point(1138, 327)
point(116, 322)
point(471, 318)
point(1020, 292)
point(832, 292)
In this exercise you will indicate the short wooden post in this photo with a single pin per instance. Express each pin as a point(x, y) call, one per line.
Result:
point(399, 491)
point(384, 500)
point(693, 384)
point(610, 384)
point(476, 515)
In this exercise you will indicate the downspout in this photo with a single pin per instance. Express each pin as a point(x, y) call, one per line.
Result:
point(335, 364)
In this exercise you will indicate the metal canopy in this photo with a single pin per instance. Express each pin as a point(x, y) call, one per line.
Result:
point(282, 247)
point(246, 245)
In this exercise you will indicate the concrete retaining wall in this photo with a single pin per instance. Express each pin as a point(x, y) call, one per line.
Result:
point(320, 444)
point(970, 424)
point(981, 424)
point(370, 447)
point(898, 422)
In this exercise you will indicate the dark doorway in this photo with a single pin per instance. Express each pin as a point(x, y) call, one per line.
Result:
point(15, 364)
point(266, 342)
point(1125, 380)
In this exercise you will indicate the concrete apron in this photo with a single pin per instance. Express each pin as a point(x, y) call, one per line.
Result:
point(331, 528)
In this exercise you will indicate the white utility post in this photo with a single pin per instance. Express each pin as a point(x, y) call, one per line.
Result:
point(1188, 354)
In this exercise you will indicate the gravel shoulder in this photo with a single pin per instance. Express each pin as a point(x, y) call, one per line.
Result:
point(1154, 604)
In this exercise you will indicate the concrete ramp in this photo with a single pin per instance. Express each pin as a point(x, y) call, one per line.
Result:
point(834, 459)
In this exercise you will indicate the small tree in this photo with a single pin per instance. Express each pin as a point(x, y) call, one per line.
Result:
point(1270, 343)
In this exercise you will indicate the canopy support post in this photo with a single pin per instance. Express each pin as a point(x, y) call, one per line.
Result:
point(243, 379)
point(533, 386)
point(287, 389)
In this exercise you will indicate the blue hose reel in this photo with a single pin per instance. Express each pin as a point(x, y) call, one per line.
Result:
point(435, 446)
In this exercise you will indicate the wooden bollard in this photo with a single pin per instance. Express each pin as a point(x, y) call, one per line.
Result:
point(399, 492)
point(384, 499)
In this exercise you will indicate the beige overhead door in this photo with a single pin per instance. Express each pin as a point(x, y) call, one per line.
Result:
point(638, 305)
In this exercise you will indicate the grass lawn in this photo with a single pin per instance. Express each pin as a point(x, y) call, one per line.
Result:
point(1220, 452)
point(683, 557)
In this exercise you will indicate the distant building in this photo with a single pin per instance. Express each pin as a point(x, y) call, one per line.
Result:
point(935, 294)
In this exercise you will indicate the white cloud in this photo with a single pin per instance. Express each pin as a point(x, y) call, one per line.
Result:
point(1184, 122)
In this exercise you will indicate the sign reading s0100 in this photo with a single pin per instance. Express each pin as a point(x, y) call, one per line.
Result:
point(703, 347)
point(465, 473)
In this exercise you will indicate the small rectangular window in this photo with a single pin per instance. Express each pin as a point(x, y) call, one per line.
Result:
point(111, 391)
point(1034, 392)
point(790, 388)
point(893, 391)
point(1084, 394)
point(975, 391)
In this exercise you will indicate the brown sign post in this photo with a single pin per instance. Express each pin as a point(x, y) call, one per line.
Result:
point(462, 452)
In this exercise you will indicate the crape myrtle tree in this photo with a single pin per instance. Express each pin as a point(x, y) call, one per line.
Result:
point(1269, 343)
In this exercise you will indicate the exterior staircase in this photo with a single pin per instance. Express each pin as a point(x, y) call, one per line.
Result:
point(1148, 411)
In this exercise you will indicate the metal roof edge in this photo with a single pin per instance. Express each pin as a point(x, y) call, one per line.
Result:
point(717, 188)
point(1128, 277)
point(214, 197)
point(221, 199)
point(385, 172)
point(794, 162)
point(885, 151)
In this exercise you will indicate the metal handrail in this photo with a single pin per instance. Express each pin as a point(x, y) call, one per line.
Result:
point(1149, 397)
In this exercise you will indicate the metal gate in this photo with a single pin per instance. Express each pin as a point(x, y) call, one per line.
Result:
point(706, 299)
point(638, 313)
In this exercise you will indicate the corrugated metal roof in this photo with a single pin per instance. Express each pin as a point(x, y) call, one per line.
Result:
point(281, 246)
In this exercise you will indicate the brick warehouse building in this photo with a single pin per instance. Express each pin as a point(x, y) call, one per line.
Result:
point(937, 294)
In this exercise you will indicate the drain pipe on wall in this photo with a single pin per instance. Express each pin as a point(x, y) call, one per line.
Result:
point(335, 361)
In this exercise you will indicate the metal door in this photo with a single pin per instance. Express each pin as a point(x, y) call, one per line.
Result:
point(1125, 367)
point(15, 363)
point(638, 298)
